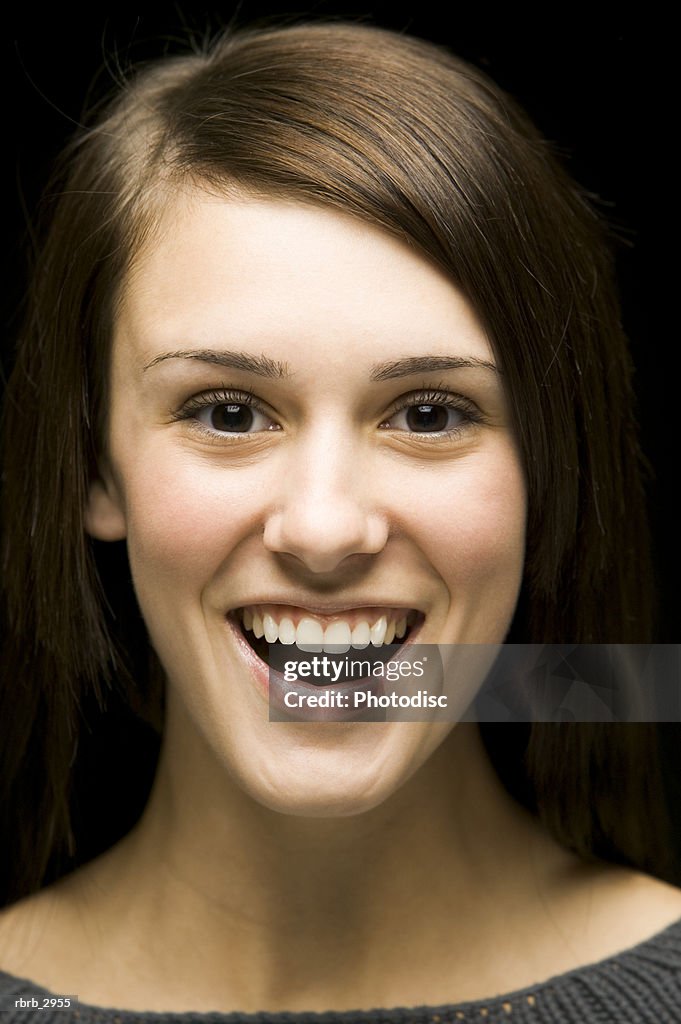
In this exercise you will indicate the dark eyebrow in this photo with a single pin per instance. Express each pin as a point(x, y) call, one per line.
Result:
point(426, 364)
point(262, 366)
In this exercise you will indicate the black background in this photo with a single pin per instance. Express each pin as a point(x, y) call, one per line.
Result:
point(589, 80)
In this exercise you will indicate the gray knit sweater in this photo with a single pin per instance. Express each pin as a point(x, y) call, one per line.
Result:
point(640, 986)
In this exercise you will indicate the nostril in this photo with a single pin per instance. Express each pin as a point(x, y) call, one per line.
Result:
point(323, 536)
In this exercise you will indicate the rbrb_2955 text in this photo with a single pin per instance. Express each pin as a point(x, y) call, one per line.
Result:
point(44, 1002)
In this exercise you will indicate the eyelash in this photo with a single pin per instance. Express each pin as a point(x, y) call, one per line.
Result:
point(440, 396)
point(223, 396)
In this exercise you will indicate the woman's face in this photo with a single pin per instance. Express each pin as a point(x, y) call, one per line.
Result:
point(306, 427)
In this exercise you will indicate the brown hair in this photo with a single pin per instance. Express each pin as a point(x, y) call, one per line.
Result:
point(401, 134)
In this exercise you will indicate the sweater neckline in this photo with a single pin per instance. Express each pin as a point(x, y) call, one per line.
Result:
point(664, 941)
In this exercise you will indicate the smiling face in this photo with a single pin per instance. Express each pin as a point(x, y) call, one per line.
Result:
point(307, 436)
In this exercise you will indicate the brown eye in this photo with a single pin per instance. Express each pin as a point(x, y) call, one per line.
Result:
point(427, 418)
point(233, 418)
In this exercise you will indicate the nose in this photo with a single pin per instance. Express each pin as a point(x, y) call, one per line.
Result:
point(323, 512)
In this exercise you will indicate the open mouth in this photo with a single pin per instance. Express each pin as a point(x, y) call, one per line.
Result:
point(269, 629)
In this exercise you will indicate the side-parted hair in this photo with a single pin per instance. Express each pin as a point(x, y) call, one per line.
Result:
point(399, 133)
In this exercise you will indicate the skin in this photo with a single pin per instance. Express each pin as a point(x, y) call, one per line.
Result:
point(326, 509)
point(283, 865)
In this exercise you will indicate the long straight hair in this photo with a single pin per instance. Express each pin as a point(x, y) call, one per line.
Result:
point(401, 134)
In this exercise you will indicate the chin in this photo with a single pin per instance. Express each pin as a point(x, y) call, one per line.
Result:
point(325, 798)
point(338, 769)
point(329, 800)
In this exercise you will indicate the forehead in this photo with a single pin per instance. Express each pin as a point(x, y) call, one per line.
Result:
point(286, 273)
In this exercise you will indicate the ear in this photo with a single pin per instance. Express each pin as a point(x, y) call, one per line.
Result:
point(104, 512)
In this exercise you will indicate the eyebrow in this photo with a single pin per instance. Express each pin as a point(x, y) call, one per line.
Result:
point(261, 366)
point(426, 364)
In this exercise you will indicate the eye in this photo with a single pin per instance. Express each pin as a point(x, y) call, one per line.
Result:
point(432, 412)
point(428, 418)
point(233, 418)
point(226, 412)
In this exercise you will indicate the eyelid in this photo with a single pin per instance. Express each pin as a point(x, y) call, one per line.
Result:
point(220, 396)
point(216, 396)
point(427, 395)
point(437, 396)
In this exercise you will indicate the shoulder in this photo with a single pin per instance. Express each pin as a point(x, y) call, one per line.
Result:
point(614, 909)
point(643, 905)
point(56, 936)
point(36, 935)
point(637, 976)
point(22, 930)
point(655, 902)
point(621, 943)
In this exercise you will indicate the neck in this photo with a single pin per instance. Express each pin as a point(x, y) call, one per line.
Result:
point(263, 910)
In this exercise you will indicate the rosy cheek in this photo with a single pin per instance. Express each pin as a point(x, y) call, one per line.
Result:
point(183, 521)
point(474, 520)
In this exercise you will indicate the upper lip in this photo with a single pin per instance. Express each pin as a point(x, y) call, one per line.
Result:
point(335, 608)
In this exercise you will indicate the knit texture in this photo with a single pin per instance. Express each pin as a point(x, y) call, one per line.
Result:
point(639, 986)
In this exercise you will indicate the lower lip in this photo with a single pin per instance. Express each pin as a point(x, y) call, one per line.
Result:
point(274, 687)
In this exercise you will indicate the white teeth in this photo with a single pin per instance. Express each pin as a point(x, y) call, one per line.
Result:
point(287, 632)
point(378, 631)
point(271, 628)
point(337, 638)
point(361, 635)
point(310, 636)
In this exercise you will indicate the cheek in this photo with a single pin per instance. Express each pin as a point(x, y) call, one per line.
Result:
point(475, 514)
point(185, 517)
point(472, 529)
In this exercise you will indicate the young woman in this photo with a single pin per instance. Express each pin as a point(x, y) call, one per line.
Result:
point(322, 345)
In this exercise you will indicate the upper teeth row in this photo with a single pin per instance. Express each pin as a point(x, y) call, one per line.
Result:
point(337, 638)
